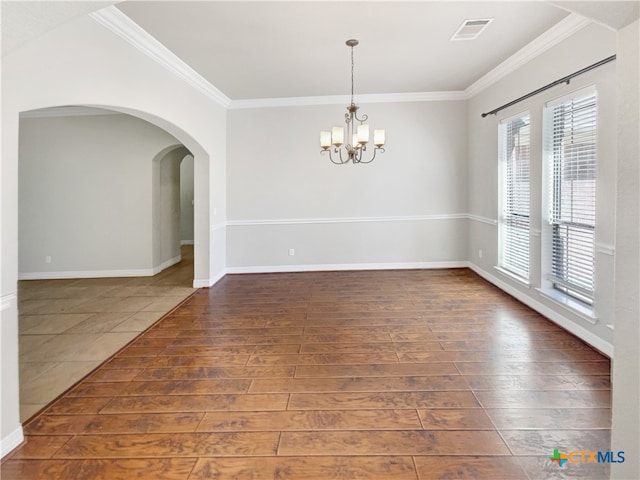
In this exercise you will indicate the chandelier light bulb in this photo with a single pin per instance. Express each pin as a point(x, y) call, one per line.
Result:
point(363, 133)
point(337, 136)
point(325, 139)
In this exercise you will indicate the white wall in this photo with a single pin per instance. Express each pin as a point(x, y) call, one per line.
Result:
point(626, 362)
point(404, 209)
point(589, 45)
point(85, 196)
point(83, 63)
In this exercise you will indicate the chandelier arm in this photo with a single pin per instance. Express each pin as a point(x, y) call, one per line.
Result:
point(322, 152)
point(375, 150)
point(364, 118)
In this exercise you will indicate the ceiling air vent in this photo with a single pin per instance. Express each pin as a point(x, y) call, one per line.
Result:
point(470, 29)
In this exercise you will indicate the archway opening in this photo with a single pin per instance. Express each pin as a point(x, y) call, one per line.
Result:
point(100, 211)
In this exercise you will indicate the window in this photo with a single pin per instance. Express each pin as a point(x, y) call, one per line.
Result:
point(570, 136)
point(514, 144)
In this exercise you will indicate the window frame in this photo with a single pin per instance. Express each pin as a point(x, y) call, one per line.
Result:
point(511, 222)
point(558, 229)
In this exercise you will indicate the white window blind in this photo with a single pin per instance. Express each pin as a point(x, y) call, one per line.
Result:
point(514, 221)
point(572, 133)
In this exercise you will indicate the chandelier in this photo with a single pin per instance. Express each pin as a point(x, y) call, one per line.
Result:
point(357, 134)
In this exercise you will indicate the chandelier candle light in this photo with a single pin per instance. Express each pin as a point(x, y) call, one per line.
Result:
point(358, 135)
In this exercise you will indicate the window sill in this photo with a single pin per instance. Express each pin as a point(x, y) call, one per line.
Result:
point(586, 312)
point(513, 276)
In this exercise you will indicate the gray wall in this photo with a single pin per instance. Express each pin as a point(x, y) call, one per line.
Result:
point(406, 208)
point(186, 200)
point(589, 45)
point(166, 207)
point(86, 195)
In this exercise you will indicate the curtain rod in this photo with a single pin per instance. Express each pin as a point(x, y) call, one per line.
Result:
point(552, 84)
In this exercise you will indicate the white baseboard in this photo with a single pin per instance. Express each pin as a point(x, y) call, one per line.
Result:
point(167, 264)
point(346, 266)
point(209, 282)
point(141, 272)
point(11, 441)
point(569, 325)
point(7, 301)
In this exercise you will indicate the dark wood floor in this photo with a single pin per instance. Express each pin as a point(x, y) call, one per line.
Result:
point(419, 374)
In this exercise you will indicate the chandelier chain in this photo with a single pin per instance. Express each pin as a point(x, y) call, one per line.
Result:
point(352, 69)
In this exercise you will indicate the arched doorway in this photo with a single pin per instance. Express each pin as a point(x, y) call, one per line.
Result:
point(94, 176)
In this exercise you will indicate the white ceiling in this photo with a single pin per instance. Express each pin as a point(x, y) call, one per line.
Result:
point(268, 49)
point(613, 14)
point(23, 21)
point(292, 49)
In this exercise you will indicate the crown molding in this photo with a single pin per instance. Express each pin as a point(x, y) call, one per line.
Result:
point(288, 102)
point(123, 26)
point(132, 33)
point(559, 32)
point(346, 99)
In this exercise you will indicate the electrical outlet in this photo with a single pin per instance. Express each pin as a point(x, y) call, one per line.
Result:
point(480, 253)
point(47, 259)
point(292, 252)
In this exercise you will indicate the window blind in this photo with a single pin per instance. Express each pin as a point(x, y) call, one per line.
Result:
point(515, 223)
point(573, 196)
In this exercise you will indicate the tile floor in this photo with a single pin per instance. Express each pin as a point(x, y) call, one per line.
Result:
point(69, 327)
